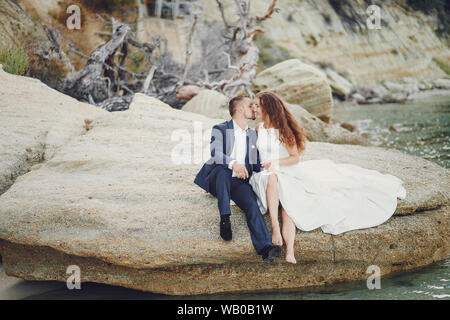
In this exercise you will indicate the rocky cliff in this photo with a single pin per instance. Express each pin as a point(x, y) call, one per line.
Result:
point(117, 199)
point(16, 25)
point(335, 33)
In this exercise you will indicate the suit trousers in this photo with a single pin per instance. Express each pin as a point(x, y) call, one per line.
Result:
point(225, 187)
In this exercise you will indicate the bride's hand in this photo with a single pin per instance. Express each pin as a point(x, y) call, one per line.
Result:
point(269, 165)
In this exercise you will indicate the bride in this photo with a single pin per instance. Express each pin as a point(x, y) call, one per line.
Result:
point(337, 197)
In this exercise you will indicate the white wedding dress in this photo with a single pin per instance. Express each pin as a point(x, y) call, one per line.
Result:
point(337, 197)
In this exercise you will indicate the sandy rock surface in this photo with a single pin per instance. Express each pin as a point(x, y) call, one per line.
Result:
point(35, 121)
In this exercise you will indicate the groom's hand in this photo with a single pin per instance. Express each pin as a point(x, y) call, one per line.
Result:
point(240, 170)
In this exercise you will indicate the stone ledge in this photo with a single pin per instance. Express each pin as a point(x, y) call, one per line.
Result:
point(423, 240)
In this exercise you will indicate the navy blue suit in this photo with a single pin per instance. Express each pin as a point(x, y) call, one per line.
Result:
point(216, 178)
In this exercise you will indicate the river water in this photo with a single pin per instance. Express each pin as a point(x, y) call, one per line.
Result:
point(430, 282)
point(422, 128)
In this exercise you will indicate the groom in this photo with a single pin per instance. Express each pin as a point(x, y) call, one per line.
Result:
point(225, 175)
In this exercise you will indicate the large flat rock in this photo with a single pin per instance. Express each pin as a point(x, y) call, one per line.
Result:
point(35, 121)
point(398, 245)
point(119, 202)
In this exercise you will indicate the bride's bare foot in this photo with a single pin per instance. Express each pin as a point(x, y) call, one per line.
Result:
point(290, 258)
point(277, 239)
point(290, 255)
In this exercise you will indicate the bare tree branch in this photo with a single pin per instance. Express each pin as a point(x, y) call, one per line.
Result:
point(188, 49)
point(227, 26)
point(149, 78)
point(269, 12)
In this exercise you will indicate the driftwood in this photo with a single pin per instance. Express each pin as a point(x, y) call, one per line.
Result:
point(107, 82)
point(104, 81)
point(89, 84)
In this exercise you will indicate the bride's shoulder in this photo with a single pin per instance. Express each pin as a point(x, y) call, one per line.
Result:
point(276, 132)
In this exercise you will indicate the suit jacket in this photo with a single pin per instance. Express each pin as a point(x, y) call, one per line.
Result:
point(221, 145)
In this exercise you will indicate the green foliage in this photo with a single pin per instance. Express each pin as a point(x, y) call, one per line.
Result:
point(137, 61)
point(444, 67)
point(14, 60)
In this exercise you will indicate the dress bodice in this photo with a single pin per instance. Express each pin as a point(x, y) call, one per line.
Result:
point(268, 144)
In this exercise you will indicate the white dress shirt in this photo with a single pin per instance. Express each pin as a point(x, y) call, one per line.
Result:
point(240, 146)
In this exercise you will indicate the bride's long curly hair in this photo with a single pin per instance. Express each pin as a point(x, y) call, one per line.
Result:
point(291, 133)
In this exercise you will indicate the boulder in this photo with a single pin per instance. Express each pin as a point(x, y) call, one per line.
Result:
point(35, 121)
point(209, 103)
point(214, 105)
point(340, 86)
point(297, 83)
point(398, 93)
point(348, 126)
point(320, 131)
point(396, 97)
point(378, 91)
point(442, 83)
point(119, 202)
point(358, 97)
point(187, 92)
point(425, 85)
point(394, 87)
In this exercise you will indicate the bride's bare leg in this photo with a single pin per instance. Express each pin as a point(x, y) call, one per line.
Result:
point(289, 231)
point(273, 203)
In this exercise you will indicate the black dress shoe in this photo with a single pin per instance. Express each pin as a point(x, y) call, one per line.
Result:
point(270, 253)
point(225, 230)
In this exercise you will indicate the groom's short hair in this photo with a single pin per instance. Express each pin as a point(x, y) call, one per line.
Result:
point(235, 102)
